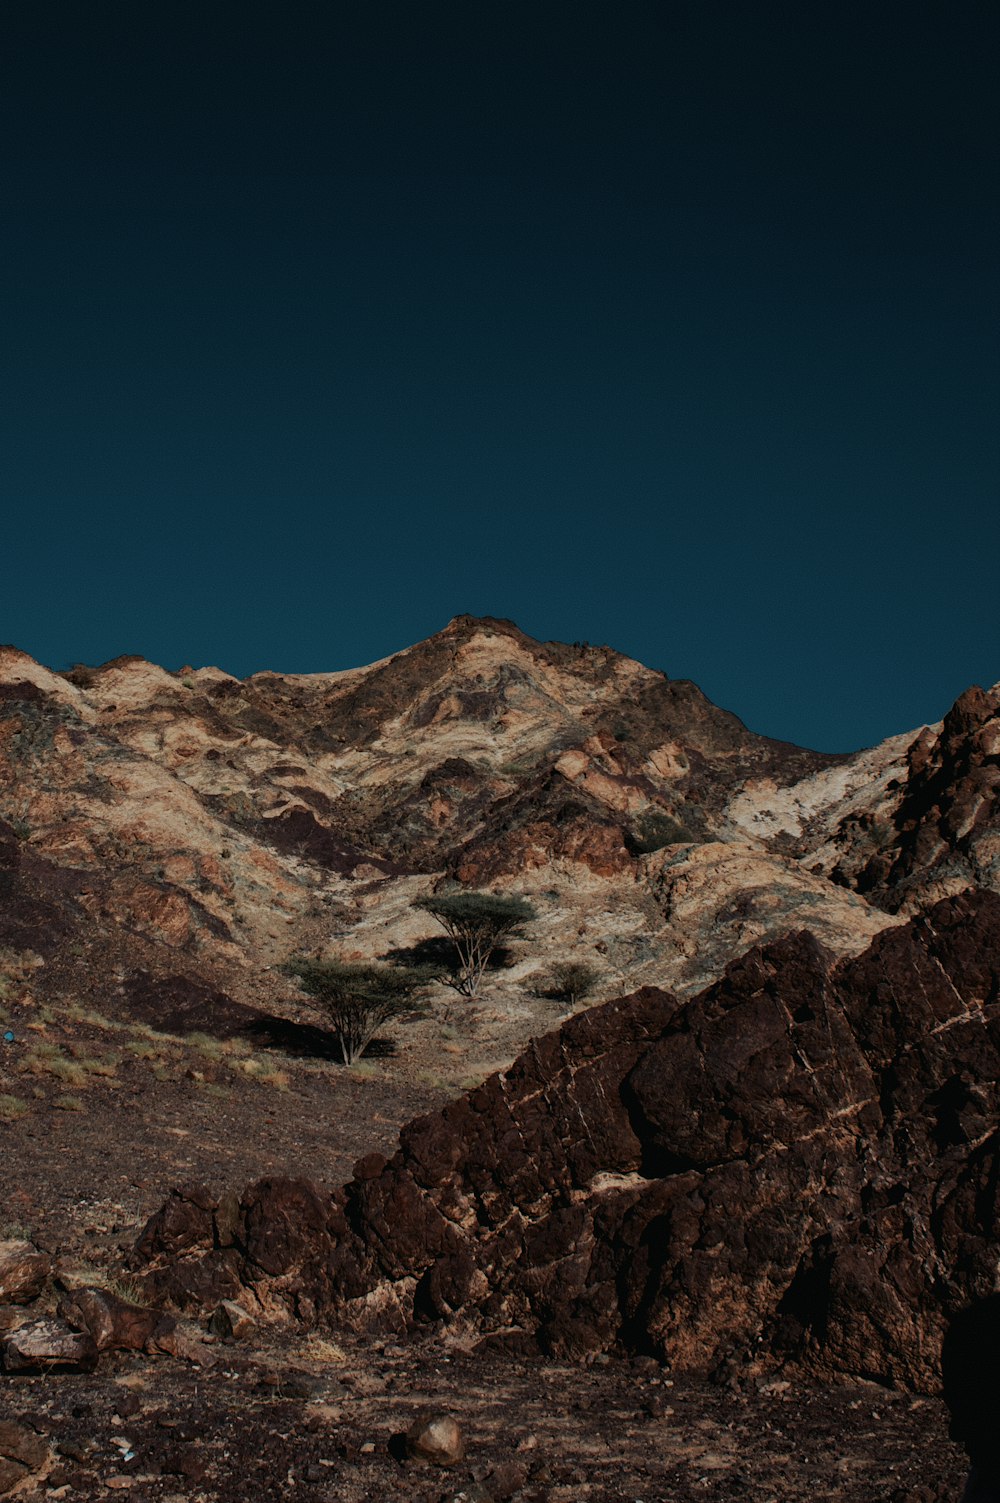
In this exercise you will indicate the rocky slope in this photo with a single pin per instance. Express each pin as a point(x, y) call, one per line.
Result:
point(800, 1163)
point(778, 1151)
point(193, 824)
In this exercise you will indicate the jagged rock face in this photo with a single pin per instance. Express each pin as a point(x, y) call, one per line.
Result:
point(801, 1163)
point(946, 831)
point(904, 824)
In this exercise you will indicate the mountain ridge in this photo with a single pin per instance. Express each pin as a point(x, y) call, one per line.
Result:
point(227, 822)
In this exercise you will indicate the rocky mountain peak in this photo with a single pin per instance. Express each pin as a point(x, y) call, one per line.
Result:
point(227, 822)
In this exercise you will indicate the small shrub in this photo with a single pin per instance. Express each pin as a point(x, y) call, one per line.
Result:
point(43, 1054)
point(654, 830)
point(570, 980)
point(321, 1350)
point(106, 1068)
point(69, 1071)
point(363, 1069)
point(49, 1059)
point(142, 1049)
point(77, 1013)
point(12, 1107)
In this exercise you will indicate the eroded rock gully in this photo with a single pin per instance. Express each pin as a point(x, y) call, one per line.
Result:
point(799, 1164)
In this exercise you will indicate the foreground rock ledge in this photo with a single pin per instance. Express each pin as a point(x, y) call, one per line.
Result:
point(801, 1163)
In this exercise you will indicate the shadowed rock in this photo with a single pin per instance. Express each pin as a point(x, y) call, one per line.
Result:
point(801, 1162)
point(23, 1452)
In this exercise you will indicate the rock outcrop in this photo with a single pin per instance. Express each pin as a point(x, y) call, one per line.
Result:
point(799, 1163)
point(945, 832)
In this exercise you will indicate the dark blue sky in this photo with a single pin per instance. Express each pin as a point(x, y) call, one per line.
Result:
point(667, 325)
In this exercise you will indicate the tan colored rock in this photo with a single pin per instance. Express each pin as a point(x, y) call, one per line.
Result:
point(668, 761)
point(23, 1272)
point(719, 899)
point(436, 1438)
point(47, 1344)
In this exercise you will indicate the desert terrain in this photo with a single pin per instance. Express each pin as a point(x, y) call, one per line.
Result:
point(693, 1234)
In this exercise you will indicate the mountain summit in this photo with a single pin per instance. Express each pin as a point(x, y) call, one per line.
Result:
point(199, 823)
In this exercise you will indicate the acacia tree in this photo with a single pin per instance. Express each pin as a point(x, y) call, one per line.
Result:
point(476, 923)
point(359, 998)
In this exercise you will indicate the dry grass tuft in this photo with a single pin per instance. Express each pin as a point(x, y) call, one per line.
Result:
point(321, 1351)
point(126, 1287)
point(143, 1049)
point(205, 1044)
point(279, 1079)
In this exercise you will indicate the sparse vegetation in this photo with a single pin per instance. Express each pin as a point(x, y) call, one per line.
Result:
point(143, 1049)
point(359, 998)
point(213, 1088)
point(12, 1107)
point(279, 1080)
point(569, 981)
point(205, 1044)
point(69, 1071)
point(655, 829)
point(126, 1287)
point(476, 923)
point(262, 1071)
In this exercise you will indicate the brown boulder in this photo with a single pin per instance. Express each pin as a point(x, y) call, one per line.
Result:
point(174, 1339)
point(23, 1453)
point(113, 1323)
point(231, 1321)
point(943, 835)
point(436, 1438)
point(23, 1272)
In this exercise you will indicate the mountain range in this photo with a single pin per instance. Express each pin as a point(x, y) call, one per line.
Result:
point(190, 824)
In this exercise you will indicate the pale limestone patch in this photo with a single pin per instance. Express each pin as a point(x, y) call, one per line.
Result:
point(761, 810)
point(718, 899)
point(131, 686)
point(18, 668)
